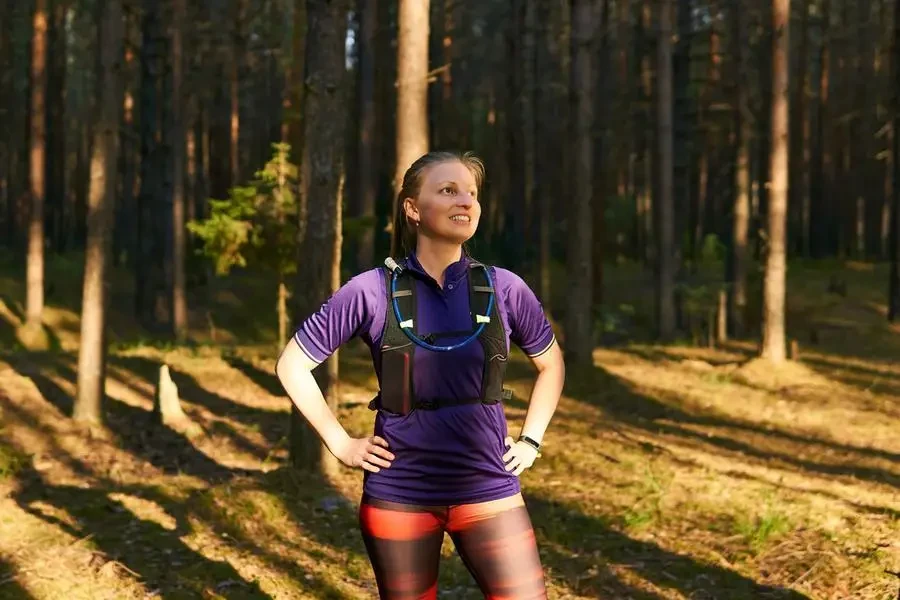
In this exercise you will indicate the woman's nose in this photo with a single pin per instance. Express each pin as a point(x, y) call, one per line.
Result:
point(465, 199)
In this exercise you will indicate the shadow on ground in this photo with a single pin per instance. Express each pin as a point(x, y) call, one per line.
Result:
point(9, 587)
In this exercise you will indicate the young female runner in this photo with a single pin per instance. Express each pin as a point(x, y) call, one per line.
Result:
point(439, 326)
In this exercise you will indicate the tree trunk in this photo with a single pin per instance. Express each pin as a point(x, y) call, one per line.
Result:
point(797, 232)
point(741, 214)
point(368, 167)
point(146, 275)
point(602, 169)
point(234, 89)
point(579, 306)
point(894, 277)
point(294, 116)
point(319, 274)
point(101, 203)
point(179, 292)
point(33, 334)
point(6, 141)
point(665, 282)
point(773, 343)
point(56, 125)
point(526, 104)
point(412, 90)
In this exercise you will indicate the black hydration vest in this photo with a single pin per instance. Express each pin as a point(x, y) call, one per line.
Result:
point(397, 393)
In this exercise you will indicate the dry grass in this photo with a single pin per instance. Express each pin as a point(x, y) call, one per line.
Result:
point(669, 472)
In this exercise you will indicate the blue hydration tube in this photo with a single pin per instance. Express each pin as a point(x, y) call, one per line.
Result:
point(395, 271)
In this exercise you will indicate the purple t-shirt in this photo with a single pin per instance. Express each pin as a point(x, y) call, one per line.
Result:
point(452, 455)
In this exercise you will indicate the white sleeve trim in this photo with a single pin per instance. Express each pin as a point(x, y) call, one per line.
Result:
point(305, 351)
point(549, 345)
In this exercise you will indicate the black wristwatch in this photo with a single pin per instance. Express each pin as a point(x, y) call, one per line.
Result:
point(530, 442)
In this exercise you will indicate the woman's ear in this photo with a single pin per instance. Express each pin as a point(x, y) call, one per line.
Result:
point(412, 213)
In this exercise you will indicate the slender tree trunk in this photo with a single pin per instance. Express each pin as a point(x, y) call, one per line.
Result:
point(325, 108)
point(56, 125)
point(6, 128)
point(665, 282)
point(146, 274)
point(179, 292)
point(527, 101)
point(603, 169)
point(894, 278)
point(797, 235)
point(34, 297)
point(773, 343)
point(234, 90)
point(741, 214)
point(296, 85)
point(579, 317)
point(101, 203)
point(368, 167)
point(412, 89)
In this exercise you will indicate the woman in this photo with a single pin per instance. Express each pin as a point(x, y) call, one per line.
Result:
point(440, 459)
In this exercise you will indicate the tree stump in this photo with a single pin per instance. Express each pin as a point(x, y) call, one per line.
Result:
point(167, 405)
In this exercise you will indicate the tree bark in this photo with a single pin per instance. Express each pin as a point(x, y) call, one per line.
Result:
point(322, 165)
point(412, 89)
point(56, 125)
point(367, 161)
point(34, 296)
point(179, 292)
point(238, 49)
point(741, 215)
point(773, 342)
point(579, 317)
point(6, 141)
point(665, 282)
point(101, 202)
point(894, 277)
point(146, 275)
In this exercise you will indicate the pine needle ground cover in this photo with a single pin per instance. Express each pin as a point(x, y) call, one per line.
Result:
point(669, 471)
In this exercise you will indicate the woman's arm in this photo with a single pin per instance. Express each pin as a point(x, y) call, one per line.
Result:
point(294, 370)
point(547, 389)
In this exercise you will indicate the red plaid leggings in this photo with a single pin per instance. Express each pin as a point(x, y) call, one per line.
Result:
point(494, 539)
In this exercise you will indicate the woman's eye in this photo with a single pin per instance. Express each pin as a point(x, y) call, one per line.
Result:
point(447, 190)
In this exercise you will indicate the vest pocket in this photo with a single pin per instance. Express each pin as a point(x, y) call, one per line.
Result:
point(396, 383)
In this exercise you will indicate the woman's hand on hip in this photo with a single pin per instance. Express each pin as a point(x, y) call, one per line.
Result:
point(369, 453)
point(519, 457)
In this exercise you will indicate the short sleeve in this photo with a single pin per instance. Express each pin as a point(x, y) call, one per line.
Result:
point(529, 327)
point(352, 310)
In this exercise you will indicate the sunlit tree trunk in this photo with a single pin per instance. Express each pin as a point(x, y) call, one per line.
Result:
point(323, 177)
point(665, 274)
point(412, 89)
point(579, 326)
point(33, 335)
point(773, 342)
point(741, 212)
point(101, 202)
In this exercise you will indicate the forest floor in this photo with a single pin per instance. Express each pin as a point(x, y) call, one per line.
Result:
point(669, 471)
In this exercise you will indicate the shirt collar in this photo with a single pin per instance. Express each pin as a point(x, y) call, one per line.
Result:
point(454, 272)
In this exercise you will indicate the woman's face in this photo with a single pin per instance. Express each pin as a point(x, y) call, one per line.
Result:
point(447, 207)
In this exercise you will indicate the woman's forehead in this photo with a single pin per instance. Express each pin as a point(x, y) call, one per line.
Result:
point(450, 170)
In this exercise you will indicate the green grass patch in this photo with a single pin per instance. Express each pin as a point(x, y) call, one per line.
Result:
point(758, 530)
point(11, 461)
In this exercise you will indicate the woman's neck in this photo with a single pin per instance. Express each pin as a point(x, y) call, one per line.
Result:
point(436, 256)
